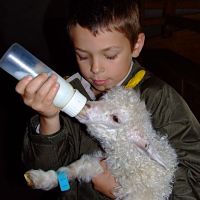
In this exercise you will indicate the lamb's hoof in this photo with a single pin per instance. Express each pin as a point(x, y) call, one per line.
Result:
point(28, 179)
point(39, 179)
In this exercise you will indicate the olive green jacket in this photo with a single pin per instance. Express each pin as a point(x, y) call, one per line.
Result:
point(170, 115)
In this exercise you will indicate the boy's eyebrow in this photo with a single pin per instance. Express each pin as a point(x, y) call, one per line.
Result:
point(111, 48)
point(105, 49)
point(81, 50)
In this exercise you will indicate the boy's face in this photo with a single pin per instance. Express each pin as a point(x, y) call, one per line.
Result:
point(105, 59)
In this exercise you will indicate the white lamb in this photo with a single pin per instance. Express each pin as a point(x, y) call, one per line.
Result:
point(142, 161)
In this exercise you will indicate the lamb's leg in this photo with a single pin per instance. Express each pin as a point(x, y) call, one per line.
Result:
point(83, 169)
point(39, 179)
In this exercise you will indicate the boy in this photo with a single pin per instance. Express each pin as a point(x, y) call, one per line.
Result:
point(107, 38)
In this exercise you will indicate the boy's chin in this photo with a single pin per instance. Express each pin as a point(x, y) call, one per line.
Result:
point(99, 90)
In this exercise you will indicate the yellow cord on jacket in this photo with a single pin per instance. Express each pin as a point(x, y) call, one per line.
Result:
point(136, 79)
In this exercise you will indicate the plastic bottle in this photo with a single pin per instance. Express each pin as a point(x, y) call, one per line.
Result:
point(18, 62)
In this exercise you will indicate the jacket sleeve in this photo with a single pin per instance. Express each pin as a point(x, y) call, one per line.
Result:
point(51, 152)
point(172, 116)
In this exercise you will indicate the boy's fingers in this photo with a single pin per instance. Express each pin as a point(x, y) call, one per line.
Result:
point(35, 84)
point(105, 182)
point(21, 85)
point(48, 90)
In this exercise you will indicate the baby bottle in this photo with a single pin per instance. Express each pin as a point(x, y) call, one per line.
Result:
point(18, 62)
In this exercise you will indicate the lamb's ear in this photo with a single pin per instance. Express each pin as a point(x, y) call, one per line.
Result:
point(154, 155)
point(139, 139)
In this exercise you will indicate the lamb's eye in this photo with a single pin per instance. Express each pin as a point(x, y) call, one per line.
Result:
point(146, 146)
point(115, 118)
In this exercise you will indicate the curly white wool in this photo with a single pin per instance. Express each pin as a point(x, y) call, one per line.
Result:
point(142, 161)
point(139, 176)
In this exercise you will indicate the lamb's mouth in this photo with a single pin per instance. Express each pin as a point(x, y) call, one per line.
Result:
point(82, 115)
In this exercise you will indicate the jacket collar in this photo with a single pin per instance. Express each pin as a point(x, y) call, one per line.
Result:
point(136, 68)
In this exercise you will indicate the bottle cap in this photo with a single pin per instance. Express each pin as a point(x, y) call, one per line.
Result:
point(75, 105)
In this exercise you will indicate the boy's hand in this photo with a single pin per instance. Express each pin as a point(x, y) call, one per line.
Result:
point(105, 182)
point(38, 93)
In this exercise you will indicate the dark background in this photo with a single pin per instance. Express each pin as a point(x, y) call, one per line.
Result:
point(39, 26)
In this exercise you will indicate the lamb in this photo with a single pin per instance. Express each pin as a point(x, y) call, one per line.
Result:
point(142, 161)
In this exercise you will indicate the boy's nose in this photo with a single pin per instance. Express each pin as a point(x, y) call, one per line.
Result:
point(96, 67)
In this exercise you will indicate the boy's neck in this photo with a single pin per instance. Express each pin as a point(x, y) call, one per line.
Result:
point(130, 69)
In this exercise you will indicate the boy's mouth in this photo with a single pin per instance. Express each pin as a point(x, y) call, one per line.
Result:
point(99, 82)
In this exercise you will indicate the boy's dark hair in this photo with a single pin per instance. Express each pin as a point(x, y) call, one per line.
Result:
point(96, 15)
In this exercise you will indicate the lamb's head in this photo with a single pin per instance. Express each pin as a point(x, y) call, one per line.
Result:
point(120, 115)
point(115, 114)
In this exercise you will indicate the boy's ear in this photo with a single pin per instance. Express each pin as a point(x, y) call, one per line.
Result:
point(138, 45)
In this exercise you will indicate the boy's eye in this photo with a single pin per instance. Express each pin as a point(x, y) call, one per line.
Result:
point(80, 57)
point(111, 57)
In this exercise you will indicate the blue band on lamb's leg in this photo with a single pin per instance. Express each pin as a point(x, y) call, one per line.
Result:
point(63, 181)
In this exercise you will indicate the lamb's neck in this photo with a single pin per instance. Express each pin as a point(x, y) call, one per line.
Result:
point(108, 146)
point(115, 147)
